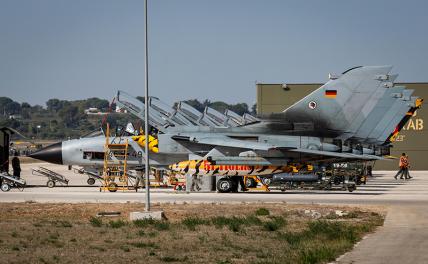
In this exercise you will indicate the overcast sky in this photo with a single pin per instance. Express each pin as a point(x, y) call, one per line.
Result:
point(214, 49)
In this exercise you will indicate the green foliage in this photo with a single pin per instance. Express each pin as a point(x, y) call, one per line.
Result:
point(192, 222)
point(235, 223)
point(253, 220)
point(144, 222)
point(15, 248)
point(274, 224)
point(317, 255)
point(158, 225)
point(125, 248)
point(96, 222)
point(117, 223)
point(262, 211)
point(144, 245)
point(63, 224)
point(161, 225)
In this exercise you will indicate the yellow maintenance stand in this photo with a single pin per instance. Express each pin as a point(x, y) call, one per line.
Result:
point(115, 174)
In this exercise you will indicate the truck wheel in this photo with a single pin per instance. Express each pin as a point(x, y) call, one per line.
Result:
point(224, 185)
point(5, 187)
point(50, 184)
point(91, 181)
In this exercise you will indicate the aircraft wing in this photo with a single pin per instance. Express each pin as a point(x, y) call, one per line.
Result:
point(336, 154)
point(225, 141)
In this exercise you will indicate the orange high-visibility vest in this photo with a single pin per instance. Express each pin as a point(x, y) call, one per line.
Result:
point(404, 162)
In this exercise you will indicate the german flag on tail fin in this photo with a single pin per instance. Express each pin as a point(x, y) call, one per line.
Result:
point(330, 93)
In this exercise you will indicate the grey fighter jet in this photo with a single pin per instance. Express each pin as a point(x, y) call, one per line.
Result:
point(354, 117)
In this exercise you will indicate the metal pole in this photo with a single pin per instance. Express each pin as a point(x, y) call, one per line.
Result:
point(146, 115)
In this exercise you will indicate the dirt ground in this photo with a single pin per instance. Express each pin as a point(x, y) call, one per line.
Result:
point(192, 233)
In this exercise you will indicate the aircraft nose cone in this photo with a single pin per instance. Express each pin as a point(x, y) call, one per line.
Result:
point(51, 153)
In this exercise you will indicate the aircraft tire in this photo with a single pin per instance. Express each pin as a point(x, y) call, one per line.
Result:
point(250, 183)
point(5, 187)
point(50, 184)
point(224, 185)
point(91, 181)
point(112, 187)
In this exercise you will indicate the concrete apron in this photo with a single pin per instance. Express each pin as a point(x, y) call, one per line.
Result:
point(402, 239)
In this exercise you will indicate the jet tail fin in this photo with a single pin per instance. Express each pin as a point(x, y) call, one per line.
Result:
point(340, 105)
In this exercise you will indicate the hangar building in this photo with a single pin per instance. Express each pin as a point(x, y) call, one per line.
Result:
point(413, 139)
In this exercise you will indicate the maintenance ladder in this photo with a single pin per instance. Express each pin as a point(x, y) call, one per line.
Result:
point(115, 165)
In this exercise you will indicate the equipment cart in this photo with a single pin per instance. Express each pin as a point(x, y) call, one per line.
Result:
point(8, 181)
point(52, 176)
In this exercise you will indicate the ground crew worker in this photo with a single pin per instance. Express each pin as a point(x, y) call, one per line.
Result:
point(16, 166)
point(403, 163)
point(139, 180)
point(407, 176)
point(239, 181)
point(195, 183)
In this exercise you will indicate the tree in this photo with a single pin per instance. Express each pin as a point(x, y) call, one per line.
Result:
point(9, 107)
point(254, 109)
point(25, 105)
point(101, 104)
point(240, 108)
point(53, 104)
point(69, 115)
point(198, 105)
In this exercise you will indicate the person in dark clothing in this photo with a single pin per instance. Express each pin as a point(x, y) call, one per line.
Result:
point(239, 181)
point(407, 176)
point(196, 182)
point(16, 166)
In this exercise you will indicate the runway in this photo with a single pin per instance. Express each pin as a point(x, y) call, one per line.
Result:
point(403, 238)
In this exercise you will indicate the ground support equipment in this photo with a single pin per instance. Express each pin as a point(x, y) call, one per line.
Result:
point(52, 176)
point(8, 181)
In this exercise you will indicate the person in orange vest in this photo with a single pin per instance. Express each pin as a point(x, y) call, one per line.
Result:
point(403, 164)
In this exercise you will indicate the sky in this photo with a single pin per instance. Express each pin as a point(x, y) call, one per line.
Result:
point(203, 49)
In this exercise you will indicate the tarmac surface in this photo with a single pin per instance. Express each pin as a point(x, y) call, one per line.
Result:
point(402, 239)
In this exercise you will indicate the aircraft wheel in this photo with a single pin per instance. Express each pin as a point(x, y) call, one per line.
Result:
point(250, 183)
point(112, 187)
point(50, 184)
point(5, 187)
point(91, 181)
point(224, 185)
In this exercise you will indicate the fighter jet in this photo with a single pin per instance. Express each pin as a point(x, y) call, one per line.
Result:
point(354, 117)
